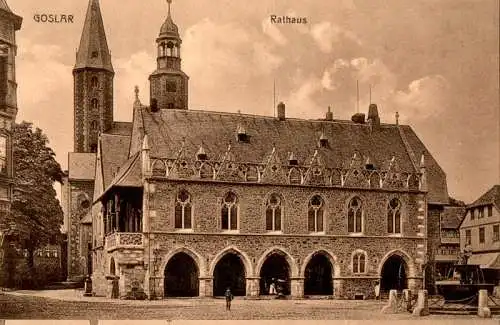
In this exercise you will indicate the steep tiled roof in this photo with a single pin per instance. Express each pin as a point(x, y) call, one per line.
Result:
point(93, 51)
point(452, 217)
point(121, 128)
point(168, 130)
point(114, 150)
point(4, 6)
point(490, 197)
point(129, 174)
point(17, 19)
point(436, 178)
point(81, 165)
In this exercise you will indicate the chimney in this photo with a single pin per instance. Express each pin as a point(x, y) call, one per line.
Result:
point(373, 118)
point(358, 118)
point(281, 111)
point(329, 114)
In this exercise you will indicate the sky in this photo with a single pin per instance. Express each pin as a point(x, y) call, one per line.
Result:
point(434, 62)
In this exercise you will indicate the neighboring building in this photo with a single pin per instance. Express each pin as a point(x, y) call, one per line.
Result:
point(448, 250)
point(480, 229)
point(9, 24)
point(186, 202)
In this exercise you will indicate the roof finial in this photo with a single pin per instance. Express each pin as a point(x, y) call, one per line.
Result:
point(136, 90)
point(169, 3)
point(397, 118)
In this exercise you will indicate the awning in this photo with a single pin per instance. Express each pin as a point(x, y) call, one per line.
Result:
point(486, 260)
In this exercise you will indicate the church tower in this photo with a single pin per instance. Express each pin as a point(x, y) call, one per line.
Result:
point(168, 83)
point(93, 83)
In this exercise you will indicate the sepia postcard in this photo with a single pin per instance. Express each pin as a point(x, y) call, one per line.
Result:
point(268, 162)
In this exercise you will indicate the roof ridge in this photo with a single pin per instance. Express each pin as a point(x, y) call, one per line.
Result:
point(409, 150)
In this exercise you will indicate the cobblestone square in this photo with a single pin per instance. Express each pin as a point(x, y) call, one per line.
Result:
point(29, 306)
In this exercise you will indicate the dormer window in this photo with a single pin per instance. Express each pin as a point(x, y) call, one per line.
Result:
point(323, 141)
point(292, 160)
point(201, 154)
point(242, 134)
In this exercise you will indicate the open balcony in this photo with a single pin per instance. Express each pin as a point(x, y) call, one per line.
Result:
point(119, 240)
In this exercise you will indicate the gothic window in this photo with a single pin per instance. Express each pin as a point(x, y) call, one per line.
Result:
point(315, 214)
point(3, 154)
point(355, 216)
point(94, 83)
point(229, 212)
point(183, 211)
point(170, 105)
point(93, 103)
point(93, 125)
point(274, 212)
point(171, 86)
point(95, 54)
point(394, 217)
point(359, 263)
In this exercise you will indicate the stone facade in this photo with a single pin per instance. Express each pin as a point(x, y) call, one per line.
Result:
point(79, 193)
point(93, 101)
point(9, 24)
point(195, 201)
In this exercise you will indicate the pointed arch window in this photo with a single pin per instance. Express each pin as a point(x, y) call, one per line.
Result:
point(274, 211)
point(315, 214)
point(94, 103)
point(355, 216)
point(94, 83)
point(183, 211)
point(229, 212)
point(394, 217)
point(359, 262)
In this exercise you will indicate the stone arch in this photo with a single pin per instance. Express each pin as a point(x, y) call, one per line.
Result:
point(200, 263)
point(329, 255)
point(318, 271)
point(294, 270)
point(233, 250)
point(412, 271)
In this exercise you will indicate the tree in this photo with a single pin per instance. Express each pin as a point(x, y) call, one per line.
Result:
point(36, 215)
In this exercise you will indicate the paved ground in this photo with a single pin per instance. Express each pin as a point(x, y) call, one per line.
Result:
point(69, 304)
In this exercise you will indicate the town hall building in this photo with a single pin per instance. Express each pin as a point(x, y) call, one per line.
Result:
point(184, 202)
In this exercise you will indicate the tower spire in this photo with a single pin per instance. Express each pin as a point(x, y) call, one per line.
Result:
point(169, 2)
point(93, 51)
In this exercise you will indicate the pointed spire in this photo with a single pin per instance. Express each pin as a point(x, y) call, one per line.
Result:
point(397, 118)
point(93, 51)
point(169, 29)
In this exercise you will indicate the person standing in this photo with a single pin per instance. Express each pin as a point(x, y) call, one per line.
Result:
point(377, 290)
point(229, 297)
point(272, 288)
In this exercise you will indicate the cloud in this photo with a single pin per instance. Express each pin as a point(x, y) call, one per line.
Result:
point(425, 97)
point(45, 93)
point(130, 72)
point(327, 34)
